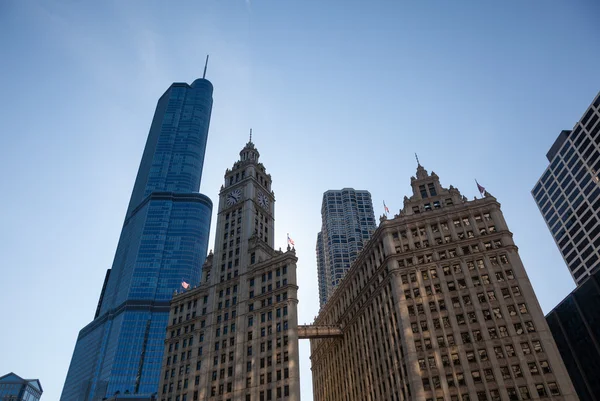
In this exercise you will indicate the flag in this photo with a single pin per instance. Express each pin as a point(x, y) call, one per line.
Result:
point(385, 207)
point(480, 188)
point(185, 285)
point(290, 241)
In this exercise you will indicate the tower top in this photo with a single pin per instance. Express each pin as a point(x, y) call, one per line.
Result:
point(249, 152)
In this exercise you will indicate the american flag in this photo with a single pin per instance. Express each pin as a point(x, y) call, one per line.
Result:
point(480, 188)
point(185, 285)
point(290, 241)
point(385, 207)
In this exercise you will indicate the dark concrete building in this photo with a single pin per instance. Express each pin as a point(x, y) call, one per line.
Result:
point(575, 324)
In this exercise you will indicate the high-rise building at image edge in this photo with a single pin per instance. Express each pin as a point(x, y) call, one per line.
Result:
point(347, 223)
point(163, 242)
point(575, 326)
point(437, 306)
point(568, 194)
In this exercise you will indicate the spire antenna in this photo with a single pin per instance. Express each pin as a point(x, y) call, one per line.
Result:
point(417, 157)
point(251, 135)
point(205, 65)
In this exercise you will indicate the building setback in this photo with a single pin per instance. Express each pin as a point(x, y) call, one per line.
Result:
point(575, 324)
point(568, 194)
point(164, 240)
point(347, 223)
point(235, 336)
point(438, 306)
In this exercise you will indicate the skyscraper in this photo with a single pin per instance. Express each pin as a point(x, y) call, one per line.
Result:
point(348, 222)
point(568, 194)
point(574, 324)
point(438, 306)
point(15, 388)
point(163, 242)
point(235, 337)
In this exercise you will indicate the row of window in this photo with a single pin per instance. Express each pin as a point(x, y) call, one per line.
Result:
point(514, 393)
point(463, 222)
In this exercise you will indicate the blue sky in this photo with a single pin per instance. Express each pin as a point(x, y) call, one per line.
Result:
point(339, 94)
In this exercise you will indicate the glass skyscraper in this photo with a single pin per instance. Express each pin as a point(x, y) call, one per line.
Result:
point(15, 388)
point(163, 242)
point(348, 222)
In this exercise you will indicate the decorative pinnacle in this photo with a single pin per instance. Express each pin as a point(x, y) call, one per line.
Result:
point(250, 135)
point(417, 157)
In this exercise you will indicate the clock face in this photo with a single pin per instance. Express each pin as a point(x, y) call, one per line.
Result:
point(263, 201)
point(233, 197)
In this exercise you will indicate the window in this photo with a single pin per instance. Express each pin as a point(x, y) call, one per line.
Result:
point(426, 384)
point(541, 390)
point(460, 379)
point(545, 367)
point(533, 369)
point(489, 375)
point(450, 339)
point(517, 370)
point(553, 388)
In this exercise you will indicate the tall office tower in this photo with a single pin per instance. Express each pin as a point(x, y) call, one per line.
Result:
point(163, 241)
point(568, 194)
point(235, 337)
point(348, 222)
point(15, 388)
point(574, 324)
point(438, 306)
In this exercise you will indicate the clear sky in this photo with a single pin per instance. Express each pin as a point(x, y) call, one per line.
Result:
point(339, 94)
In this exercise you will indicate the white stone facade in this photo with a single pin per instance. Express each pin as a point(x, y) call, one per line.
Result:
point(234, 337)
point(438, 307)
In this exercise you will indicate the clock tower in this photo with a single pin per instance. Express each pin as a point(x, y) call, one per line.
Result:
point(246, 214)
point(234, 336)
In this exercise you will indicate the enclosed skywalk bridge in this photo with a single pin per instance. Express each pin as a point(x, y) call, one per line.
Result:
point(310, 331)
